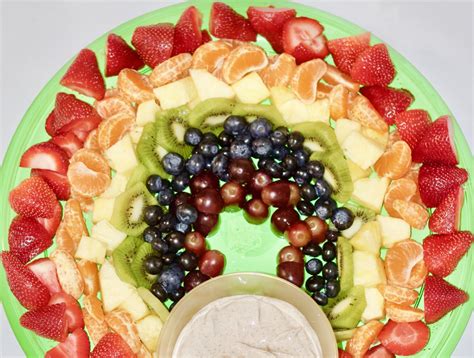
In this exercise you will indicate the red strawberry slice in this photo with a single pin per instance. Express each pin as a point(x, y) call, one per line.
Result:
point(111, 345)
point(447, 215)
point(82, 135)
point(412, 125)
point(52, 223)
point(443, 252)
point(440, 298)
point(187, 32)
point(48, 321)
point(435, 181)
point(205, 36)
point(33, 198)
point(437, 145)
point(303, 39)
point(269, 21)
point(374, 67)
point(45, 270)
point(25, 286)
point(57, 182)
point(27, 238)
point(84, 75)
point(345, 50)
point(46, 155)
point(68, 142)
point(226, 23)
point(404, 339)
point(154, 43)
point(74, 315)
point(76, 345)
point(119, 55)
point(379, 352)
point(49, 126)
point(388, 101)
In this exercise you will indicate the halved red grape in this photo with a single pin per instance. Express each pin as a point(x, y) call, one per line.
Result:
point(233, 193)
point(290, 254)
point(291, 271)
point(203, 180)
point(212, 263)
point(205, 223)
point(298, 234)
point(318, 228)
point(195, 243)
point(241, 170)
point(276, 194)
point(282, 218)
point(208, 201)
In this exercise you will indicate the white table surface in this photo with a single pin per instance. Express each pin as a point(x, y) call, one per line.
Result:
point(38, 37)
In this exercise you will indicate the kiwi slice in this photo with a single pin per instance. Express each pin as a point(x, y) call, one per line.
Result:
point(209, 115)
point(154, 303)
point(336, 173)
point(345, 264)
point(137, 267)
point(123, 256)
point(254, 111)
point(319, 137)
point(129, 209)
point(150, 153)
point(139, 175)
point(170, 127)
point(344, 334)
point(361, 216)
point(347, 309)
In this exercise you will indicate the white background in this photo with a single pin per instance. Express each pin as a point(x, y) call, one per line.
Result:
point(38, 37)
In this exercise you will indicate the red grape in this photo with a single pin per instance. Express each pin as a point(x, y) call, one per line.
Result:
point(291, 271)
point(241, 170)
point(212, 263)
point(180, 198)
point(282, 218)
point(290, 254)
point(208, 201)
point(298, 234)
point(195, 243)
point(193, 279)
point(318, 228)
point(256, 209)
point(276, 194)
point(259, 181)
point(232, 193)
point(294, 194)
point(203, 180)
point(205, 223)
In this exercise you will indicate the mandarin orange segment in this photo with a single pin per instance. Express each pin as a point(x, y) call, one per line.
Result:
point(401, 189)
point(113, 129)
point(362, 111)
point(171, 70)
point(122, 323)
point(403, 313)
point(242, 60)
point(64, 241)
point(69, 276)
point(90, 275)
point(73, 221)
point(86, 202)
point(364, 336)
point(93, 306)
point(134, 86)
point(395, 162)
point(323, 90)
point(112, 92)
point(211, 55)
point(338, 102)
point(418, 275)
point(279, 71)
point(91, 141)
point(413, 175)
point(92, 160)
point(400, 262)
point(113, 105)
point(414, 214)
point(400, 295)
point(85, 181)
point(95, 328)
point(335, 77)
point(393, 137)
point(304, 82)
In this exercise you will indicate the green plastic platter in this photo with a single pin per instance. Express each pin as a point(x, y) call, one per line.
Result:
point(247, 247)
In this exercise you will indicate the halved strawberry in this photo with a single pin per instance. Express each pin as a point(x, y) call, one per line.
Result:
point(388, 101)
point(404, 338)
point(76, 345)
point(226, 23)
point(47, 321)
point(82, 135)
point(437, 145)
point(50, 122)
point(52, 223)
point(345, 50)
point(68, 142)
point(33, 198)
point(84, 75)
point(45, 155)
point(25, 286)
point(373, 67)
point(56, 181)
point(187, 32)
point(27, 238)
point(379, 351)
point(435, 181)
point(73, 310)
point(440, 298)
point(445, 219)
point(269, 21)
point(443, 252)
point(45, 270)
point(412, 125)
point(205, 36)
point(343, 354)
point(154, 43)
point(119, 55)
point(111, 345)
point(303, 39)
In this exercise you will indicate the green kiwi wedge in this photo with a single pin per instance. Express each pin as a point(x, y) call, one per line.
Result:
point(129, 207)
point(345, 264)
point(139, 175)
point(123, 256)
point(361, 216)
point(150, 153)
point(254, 111)
point(344, 334)
point(138, 266)
point(170, 128)
point(210, 114)
point(319, 137)
point(346, 309)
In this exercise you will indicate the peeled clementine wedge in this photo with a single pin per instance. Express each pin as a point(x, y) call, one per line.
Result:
point(91, 141)
point(63, 240)
point(304, 82)
point(122, 323)
point(335, 77)
point(74, 223)
point(171, 70)
point(86, 202)
point(393, 137)
point(211, 55)
point(323, 90)
point(92, 159)
point(403, 313)
point(90, 274)
point(395, 162)
point(243, 60)
point(364, 336)
point(400, 189)
point(414, 214)
point(400, 295)
point(279, 70)
point(68, 274)
point(96, 329)
point(338, 102)
point(134, 86)
point(85, 181)
point(113, 105)
point(404, 265)
point(362, 111)
point(113, 129)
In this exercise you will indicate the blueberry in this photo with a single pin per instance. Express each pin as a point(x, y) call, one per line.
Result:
point(320, 298)
point(342, 218)
point(260, 128)
point(308, 192)
point(154, 183)
point(305, 208)
point(225, 151)
point(173, 163)
point(332, 235)
point(208, 149)
point(329, 201)
point(192, 136)
point(195, 164)
point(323, 189)
point(314, 284)
point(273, 169)
point(171, 278)
point(279, 136)
point(210, 137)
point(180, 182)
point(315, 169)
point(279, 152)
point(160, 245)
point(165, 197)
point(329, 251)
point(175, 296)
point(314, 266)
point(261, 147)
point(238, 149)
point(182, 227)
point(295, 140)
point(332, 288)
point(245, 137)
point(285, 174)
point(330, 270)
point(301, 176)
point(235, 125)
point(290, 163)
point(186, 213)
point(175, 240)
point(159, 292)
point(322, 210)
point(302, 156)
point(188, 261)
point(167, 223)
point(225, 139)
point(262, 161)
point(152, 215)
point(312, 249)
point(151, 234)
point(153, 265)
point(169, 258)
point(219, 164)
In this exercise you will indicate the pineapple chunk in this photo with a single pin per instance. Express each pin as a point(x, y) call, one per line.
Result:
point(251, 89)
point(369, 192)
point(356, 171)
point(104, 231)
point(209, 86)
point(293, 111)
point(381, 138)
point(116, 187)
point(136, 133)
point(375, 308)
point(368, 269)
point(344, 127)
point(318, 111)
point(368, 238)
point(149, 331)
point(103, 208)
point(122, 155)
point(393, 230)
point(176, 93)
point(113, 290)
point(280, 95)
point(91, 249)
point(135, 306)
point(146, 112)
point(361, 150)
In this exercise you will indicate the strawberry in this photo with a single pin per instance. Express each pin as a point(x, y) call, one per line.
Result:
point(440, 297)
point(445, 219)
point(345, 50)
point(119, 55)
point(52, 223)
point(388, 101)
point(412, 125)
point(73, 310)
point(303, 39)
point(49, 125)
point(33, 198)
point(154, 43)
point(47, 321)
point(68, 142)
point(45, 270)
point(57, 182)
point(84, 75)
point(435, 181)
point(76, 345)
point(437, 144)
point(379, 351)
point(205, 36)
point(45, 155)
point(226, 23)
point(82, 135)
point(343, 354)
point(27, 238)
point(404, 338)
point(269, 21)
point(443, 252)
point(112, 345)
point(373, 67)
point(187, 32)
point(25, 286)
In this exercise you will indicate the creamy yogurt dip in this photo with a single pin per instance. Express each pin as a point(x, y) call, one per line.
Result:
point(247, 326)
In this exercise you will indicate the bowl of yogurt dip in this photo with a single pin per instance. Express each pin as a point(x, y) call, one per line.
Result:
point(247, 314)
